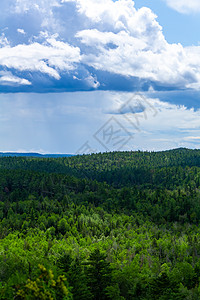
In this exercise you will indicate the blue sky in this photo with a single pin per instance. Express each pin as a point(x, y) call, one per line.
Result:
point(80, 76)
point(177, 27)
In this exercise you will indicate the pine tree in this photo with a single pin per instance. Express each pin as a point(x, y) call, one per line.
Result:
point(98, 274)
point(78, 281)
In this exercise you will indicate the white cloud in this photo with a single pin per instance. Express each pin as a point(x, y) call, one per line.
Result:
point(49, 58)
point(13, 80)
point(132, 56)
point(185, 6)
point(140, 48)
point(73, 119)
point(7, 78)
point(92, 81)
point(20, 30)
point(106, 11)
point(3, 41)
point(168, 128)
point(192, 138)
point(38, 8)
point(21, 6)
point(130, 42)
point(103, 34)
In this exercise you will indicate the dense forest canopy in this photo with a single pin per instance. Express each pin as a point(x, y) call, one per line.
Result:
point(120, 225)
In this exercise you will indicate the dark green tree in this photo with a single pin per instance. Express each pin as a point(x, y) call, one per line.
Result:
point(78, 281)
point(98, 274)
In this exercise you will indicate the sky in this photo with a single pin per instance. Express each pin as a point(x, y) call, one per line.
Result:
point(82, 76)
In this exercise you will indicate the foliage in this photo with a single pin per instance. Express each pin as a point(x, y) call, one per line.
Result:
point(45, 287)
point(121, 225)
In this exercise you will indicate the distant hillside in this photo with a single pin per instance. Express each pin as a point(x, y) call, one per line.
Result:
point(16, 154)
point(124, 224)
point(115, 168)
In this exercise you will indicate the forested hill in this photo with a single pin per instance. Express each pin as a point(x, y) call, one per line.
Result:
point(166, 168)
point(113, 160)
point(120, 225)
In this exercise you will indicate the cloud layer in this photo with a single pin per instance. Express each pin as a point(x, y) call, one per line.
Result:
point(71, 45)
point(63, 123)
point(185, 6)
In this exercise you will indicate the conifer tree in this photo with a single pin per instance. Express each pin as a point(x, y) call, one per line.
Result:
point(98, 274)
